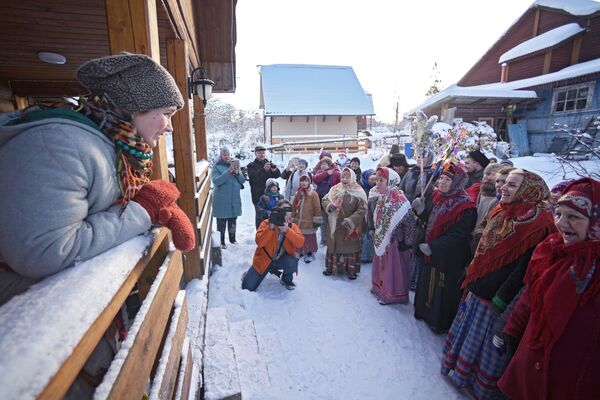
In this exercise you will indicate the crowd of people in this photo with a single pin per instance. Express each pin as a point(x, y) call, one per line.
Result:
point(500, 264)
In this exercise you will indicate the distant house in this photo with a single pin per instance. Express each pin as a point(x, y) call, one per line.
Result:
point(308, 102)
point(542, 73)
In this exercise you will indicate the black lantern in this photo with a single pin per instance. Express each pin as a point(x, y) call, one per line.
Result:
point(202, 87)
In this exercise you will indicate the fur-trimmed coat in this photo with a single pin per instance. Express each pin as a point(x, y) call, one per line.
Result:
point(308, 213)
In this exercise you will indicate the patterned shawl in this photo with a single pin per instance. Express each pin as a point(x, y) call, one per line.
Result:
point(336, 196)
point(562, 277)
point(513, 228)
point(448, 207)
point(390, 207)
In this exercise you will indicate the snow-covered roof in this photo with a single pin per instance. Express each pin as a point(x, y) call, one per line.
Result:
point(294, 89)
point(573, 7)
point(543, 41)
point(512, 89)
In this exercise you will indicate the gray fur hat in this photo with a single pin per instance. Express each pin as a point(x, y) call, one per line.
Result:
point(134, 82)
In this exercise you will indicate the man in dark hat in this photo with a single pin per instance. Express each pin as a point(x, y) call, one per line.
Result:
point(399, 164)
point(475, 163)
point(259, 171)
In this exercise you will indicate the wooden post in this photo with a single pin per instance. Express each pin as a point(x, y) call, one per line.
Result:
point(133, 27)
point(547, 61)
point(183, 145)
point(200, 130)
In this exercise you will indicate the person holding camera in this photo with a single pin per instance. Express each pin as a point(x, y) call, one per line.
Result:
point(227, 181)
point(259, 171)
point(277, 239)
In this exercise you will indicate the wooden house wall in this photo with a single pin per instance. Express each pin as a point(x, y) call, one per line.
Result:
point(487, 69)
point(299, 126)
point(590, 48)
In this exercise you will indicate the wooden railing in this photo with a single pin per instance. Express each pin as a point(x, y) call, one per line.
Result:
point(352, 145)
point(56, 347)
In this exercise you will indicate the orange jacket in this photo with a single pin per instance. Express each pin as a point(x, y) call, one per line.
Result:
point(267, 238)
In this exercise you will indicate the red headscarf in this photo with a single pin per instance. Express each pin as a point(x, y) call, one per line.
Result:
point(513, 228)
point(562, 276)
point(449, 207)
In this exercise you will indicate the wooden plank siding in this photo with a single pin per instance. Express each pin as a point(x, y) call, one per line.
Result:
point(487, 69)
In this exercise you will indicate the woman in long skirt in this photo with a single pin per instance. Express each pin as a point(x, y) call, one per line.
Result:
point(494, 277)
point(392, 227)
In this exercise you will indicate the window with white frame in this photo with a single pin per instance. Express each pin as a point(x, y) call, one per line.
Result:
point(573, 98)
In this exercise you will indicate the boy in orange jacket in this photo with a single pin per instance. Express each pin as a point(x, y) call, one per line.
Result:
point(277, 239)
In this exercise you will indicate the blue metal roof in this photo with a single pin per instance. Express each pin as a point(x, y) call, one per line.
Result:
point(294, 89)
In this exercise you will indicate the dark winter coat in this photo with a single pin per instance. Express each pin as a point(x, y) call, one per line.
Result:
point(267, 203)
point(438, 287)
point(573, 369)
point(504, 282)
point(410, 182)
point(258, 178)
point(226, 192)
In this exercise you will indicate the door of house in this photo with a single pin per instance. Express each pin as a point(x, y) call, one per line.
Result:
point(517, 134)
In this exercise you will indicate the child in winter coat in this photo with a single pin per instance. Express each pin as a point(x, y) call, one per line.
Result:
point(346, 205)
point(307, 215)
point(269, 199)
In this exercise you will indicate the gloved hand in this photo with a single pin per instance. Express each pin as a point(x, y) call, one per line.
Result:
point(347, 223)
point(155, 195)
point(425, 249)
point(418, 205)
point(181, 228)
point(158, 199)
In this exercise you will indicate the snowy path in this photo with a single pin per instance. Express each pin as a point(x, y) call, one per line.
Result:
point(329, 338)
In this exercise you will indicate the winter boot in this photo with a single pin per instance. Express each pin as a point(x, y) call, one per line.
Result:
point(232, 238)
point(223, 245)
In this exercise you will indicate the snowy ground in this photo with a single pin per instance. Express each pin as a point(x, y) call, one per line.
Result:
point(330, 338)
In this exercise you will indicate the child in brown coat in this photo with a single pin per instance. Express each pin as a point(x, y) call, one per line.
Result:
point(307, 215)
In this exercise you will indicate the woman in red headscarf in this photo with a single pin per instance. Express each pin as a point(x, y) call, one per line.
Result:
point(559, 311)
point(446, 250)
point(493, 278)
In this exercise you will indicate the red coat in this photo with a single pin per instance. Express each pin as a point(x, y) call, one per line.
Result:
point(267, 238)
point(573, 369)
point(473, 192)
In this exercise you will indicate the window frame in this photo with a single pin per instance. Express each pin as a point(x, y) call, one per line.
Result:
point(591, 86)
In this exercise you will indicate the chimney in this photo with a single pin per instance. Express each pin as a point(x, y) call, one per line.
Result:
point(504, 73)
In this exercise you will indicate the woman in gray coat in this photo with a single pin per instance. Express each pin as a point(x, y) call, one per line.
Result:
point(75, 179)
point(227, 204)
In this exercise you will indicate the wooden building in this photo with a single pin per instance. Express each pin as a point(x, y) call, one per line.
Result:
point(312, 102)
point(182, 35)
point(542, 73)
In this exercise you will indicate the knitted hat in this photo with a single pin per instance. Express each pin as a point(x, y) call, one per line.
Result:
point(325, 154)
point(270, 182)
point(224, 150)
point(398, 159)
point(260, 147)
point(479, 157)
point(326, 160)
point(302, 161)
point(134, 82)
point(356, 160)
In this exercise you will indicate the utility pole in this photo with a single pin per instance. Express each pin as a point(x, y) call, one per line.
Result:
point(396, 120)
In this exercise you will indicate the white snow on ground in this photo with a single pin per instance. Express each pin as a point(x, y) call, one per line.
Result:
point(330, 338)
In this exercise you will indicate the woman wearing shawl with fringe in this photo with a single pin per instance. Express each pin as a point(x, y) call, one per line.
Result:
point(513, 229)
point(446, 250)
point(392, 225)
point(346, 205)
point(558, 313)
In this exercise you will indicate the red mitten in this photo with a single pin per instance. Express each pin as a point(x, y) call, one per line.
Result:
point(181, 228)
point(156, 195)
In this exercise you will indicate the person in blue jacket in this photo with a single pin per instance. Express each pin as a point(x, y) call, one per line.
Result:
point(227, 204)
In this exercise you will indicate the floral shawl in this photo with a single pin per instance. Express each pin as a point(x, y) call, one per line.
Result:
point(390, 208)
point(336, 196)
point(513, 228)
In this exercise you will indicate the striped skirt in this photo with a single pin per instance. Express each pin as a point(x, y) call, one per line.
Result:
point(470, 358)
